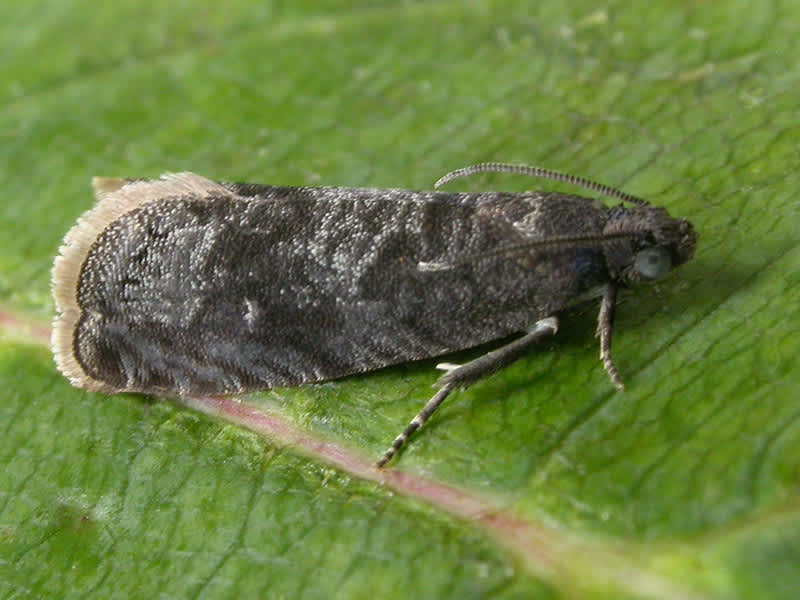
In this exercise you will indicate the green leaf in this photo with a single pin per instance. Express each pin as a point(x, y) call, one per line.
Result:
point(541, 481)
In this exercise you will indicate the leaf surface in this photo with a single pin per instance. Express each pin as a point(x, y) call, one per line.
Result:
point(541, 481)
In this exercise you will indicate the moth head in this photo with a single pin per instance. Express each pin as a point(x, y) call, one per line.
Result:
point(647, 243)
point(640, 243)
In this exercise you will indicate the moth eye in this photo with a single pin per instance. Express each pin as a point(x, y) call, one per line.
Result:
point(653, 263)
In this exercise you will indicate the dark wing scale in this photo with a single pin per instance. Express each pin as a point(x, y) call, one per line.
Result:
point(283, 286)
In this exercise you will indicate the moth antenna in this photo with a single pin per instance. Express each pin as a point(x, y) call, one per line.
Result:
point(493, 167)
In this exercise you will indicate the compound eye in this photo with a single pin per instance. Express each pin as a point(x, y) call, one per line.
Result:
point(653, 263)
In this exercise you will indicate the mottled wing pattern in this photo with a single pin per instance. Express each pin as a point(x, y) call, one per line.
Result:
point(272, 286)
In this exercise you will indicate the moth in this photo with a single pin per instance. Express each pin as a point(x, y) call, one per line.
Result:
point(186, 286)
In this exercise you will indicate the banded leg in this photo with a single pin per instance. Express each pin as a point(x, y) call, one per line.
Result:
point(605, 324)
point(467, 374)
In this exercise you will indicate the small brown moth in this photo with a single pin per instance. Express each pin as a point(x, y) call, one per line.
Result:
point(183, 285)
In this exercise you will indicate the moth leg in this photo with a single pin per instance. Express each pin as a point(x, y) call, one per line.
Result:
point(605, 323)
point(461, 376)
